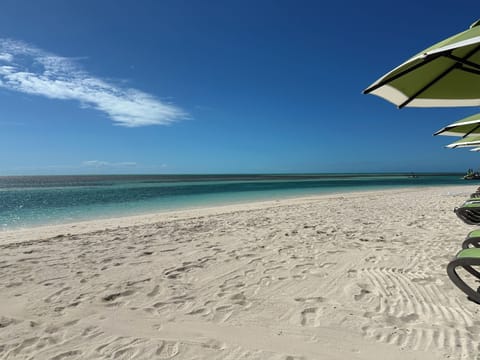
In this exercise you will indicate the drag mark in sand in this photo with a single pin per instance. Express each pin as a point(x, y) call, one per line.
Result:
point(412, 313)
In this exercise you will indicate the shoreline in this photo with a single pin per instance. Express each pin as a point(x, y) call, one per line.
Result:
point(358, 276)
point(85, 226)
point(62, 201)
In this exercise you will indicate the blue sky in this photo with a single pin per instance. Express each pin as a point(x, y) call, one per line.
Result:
point(116, 86)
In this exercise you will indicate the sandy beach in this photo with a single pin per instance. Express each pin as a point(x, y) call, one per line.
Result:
point(351, 276)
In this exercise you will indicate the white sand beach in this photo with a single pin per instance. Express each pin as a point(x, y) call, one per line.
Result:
point(351, 276)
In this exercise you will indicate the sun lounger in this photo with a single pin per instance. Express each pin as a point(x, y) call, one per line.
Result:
point(469, 212)
point(475, 195)
point(466, 258)
point(473, 239)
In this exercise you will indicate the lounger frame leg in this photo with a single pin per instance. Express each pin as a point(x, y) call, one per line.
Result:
point(475, 241)
point(467, 264)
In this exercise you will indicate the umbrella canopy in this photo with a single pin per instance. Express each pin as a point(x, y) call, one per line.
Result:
point(464, 127)
point(465, 142)
point(446, 74)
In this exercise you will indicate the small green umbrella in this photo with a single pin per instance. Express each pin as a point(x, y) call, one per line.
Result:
point(465, 142)
point(464, 127)
point(444, 75)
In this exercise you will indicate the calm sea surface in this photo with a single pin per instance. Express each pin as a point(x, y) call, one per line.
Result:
point(39, 200)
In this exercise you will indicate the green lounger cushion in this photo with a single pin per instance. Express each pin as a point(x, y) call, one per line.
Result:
point(469, 253)
point(472, 204)
point(474, 234)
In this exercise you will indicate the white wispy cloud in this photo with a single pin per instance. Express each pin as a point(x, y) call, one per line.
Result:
point(101, 163)
point(30, 70)
point(6, 57)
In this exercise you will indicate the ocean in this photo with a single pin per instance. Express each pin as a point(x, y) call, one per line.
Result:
point(27, 201)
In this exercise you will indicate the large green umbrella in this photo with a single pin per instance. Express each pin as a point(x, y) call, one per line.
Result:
point(465, 142)
point(446, 74)
point(465, 127)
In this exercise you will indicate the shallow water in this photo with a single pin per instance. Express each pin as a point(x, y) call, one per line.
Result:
point(39, 200)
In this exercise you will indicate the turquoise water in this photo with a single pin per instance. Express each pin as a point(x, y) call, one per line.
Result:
point(39, 200)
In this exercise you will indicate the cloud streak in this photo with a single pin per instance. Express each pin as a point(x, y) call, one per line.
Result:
point(102, 164)
point(27, 69)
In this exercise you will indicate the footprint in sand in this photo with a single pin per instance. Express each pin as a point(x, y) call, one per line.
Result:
point(57, 294)
point(5, 321)
point(114, 296)
point(200, 311)
point(67, 355)
point(127, 353)
point(308, 317)
point(313, 299)
point(91, 332)
point(154, 291)
point(222, 313)
point(22, 346)
point(168, 349)
point(361, 295)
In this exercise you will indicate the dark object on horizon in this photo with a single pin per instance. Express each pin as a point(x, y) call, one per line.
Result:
point(471, 175)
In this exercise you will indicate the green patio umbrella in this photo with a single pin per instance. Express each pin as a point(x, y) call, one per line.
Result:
point(446, 74)
point(465, 142)
point(465, 127)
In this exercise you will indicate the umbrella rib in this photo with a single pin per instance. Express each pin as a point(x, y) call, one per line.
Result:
point(421, 90)
point(400, 74)
point(458, 64)
point(442, 130)
point(471, 131)
point(463, 61)
point(473, 71)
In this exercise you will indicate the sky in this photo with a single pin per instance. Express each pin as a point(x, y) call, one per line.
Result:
point(240, 86)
